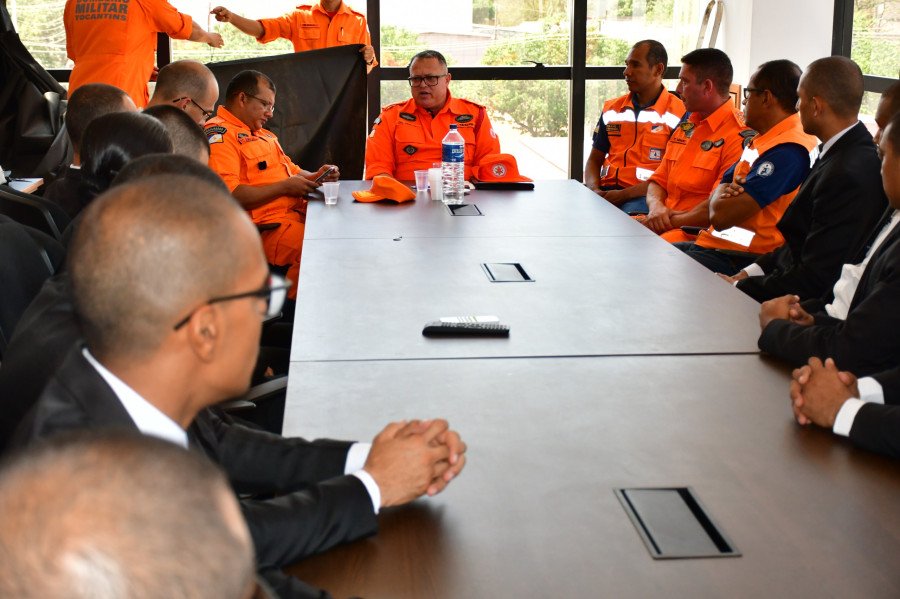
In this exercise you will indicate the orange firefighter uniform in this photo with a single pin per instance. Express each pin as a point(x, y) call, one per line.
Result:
point(634, 138)
point(766, 237)
point(244, 157)
point(310, 28)
point(697, 156)
point(406, 138)
point(115, 42)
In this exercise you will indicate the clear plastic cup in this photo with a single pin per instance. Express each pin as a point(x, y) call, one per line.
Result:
point(421, 180)
point(435, 182)
point(330, 191)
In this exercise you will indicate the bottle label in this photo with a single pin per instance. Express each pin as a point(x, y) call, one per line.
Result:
point(453, 153)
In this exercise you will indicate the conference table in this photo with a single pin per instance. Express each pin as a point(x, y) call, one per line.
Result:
point(628, 366)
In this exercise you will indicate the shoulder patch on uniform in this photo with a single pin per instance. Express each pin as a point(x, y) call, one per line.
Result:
point(765, 169)
point(410, 150)
point(407, 116)
point(214, 130)
point(377, 121)
point(215, 138)
point(464, 118)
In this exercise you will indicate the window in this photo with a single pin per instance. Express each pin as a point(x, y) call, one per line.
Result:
point(613, 26)
point(876, 37)
point(39, 24)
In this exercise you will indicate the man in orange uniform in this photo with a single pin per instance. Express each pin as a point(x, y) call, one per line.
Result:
point(258, 172)
point(633, 130)
point(707, 142)
point(115, 42)
point(757, 190)
point(326, 24)
point(407, 136)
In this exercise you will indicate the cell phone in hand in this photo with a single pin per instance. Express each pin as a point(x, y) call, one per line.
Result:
point(327, 172)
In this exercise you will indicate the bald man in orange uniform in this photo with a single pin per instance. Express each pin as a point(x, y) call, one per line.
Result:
point(115, 42)
point(325, 24)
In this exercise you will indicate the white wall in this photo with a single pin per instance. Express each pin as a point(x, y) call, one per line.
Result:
point(755, 31)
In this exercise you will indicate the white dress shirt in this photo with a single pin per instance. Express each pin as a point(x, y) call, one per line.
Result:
point(870, 391)
point(154, 423)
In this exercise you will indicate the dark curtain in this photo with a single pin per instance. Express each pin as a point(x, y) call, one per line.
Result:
point(320, 105)
point(30, 110)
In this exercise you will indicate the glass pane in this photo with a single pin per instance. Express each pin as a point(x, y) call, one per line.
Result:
point(39, 24)
point(867, 111)
point(237, 44)
point(476, 32)
point(876, 37)
point(539, 142)
point(614, 25)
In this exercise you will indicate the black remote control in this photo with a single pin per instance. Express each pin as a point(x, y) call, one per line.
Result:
point(481, 329)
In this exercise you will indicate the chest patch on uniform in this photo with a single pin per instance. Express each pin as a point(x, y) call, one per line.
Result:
point(765, 169)
point(244, 138)
point(410, 150)
point(464, 118)
point(719, 142)
point(407, 116)
point(706, 146)
point(657, 128)
point(655, 154)
point(687, 128)
point(614, 129)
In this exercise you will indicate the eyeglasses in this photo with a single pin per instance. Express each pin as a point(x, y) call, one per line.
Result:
point(267, 106)
point(273, 291)
point(207, 114)
point(749, 90)
point(429, 80)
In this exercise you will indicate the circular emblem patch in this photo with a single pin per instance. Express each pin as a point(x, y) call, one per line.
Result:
point(498, 170)
point(765, 169)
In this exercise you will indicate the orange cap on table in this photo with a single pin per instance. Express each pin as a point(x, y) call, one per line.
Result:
point(499, 168)
point(385, 188)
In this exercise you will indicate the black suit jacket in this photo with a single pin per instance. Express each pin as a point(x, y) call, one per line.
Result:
point(890, 384)
point(837, 206)
point(867, 341)
point(877, 428)
point(316, 506)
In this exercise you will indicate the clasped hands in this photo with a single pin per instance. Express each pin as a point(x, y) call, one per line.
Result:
point(819, 390)
point(786, 307)
point(409, 459)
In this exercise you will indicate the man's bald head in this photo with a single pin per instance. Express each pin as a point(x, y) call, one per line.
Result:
point(836, 80)
point(187, 136)
point(148, 252)
point(888, 106)
point(114, 515)
point(184, 81)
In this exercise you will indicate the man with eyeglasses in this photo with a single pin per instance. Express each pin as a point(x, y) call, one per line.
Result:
point(407, 136)
point(171, 327)
point(188, 85)
point(745, 208)
point(257, 171)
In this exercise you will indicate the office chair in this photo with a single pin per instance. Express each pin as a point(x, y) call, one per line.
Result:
point(33, 211)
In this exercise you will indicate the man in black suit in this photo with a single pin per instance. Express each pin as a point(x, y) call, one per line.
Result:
point(170, 286)
point(838, 203)
point(866, 410)
point(860, 333)
point(86, 103)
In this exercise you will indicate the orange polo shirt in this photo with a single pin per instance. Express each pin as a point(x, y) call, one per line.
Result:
point(115, 42)
point(310, 28)
point(406, 138)
point(697, 156)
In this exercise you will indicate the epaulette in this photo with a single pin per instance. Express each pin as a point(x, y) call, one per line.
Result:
point(389, 106)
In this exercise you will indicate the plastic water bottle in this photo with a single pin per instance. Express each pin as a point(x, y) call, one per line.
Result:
point(453, 167)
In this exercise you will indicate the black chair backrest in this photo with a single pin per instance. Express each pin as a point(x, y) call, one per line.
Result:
point(33, 211)
point(24, 266)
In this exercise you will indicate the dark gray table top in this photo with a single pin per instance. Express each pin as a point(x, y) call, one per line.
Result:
point(554, 208)
point(534, 515)
point(369, 299)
